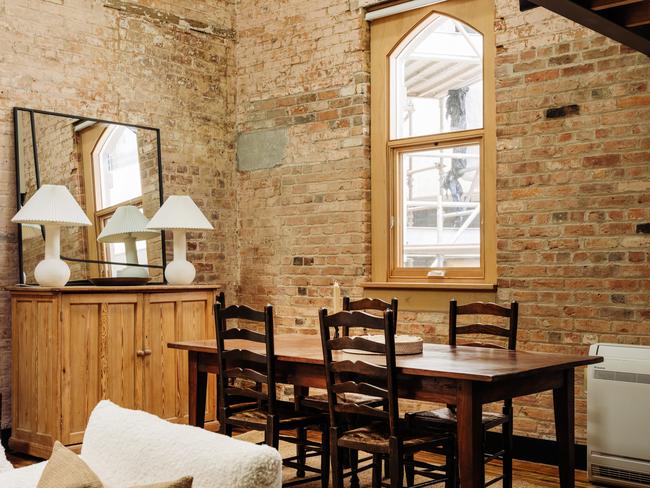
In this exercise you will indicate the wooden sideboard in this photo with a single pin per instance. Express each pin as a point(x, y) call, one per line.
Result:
point(74, 346)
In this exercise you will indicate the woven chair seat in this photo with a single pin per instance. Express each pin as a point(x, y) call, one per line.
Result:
point(287, 418)
point(375, 438)
point(445, 418)
point(319, 401)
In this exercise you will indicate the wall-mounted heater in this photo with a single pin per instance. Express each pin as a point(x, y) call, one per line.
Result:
point(618, 416)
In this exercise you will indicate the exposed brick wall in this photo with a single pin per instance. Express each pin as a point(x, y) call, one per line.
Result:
point(80, 57)
point(573, 161)
point(572, 182)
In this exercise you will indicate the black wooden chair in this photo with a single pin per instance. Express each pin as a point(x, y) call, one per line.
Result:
point(444, 419)
point(378, 431)
point(256, 366)
point(319, 400)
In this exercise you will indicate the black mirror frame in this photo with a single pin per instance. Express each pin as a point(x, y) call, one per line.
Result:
point(19, 203)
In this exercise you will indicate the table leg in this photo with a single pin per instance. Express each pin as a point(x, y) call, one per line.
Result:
point(198, 384)
point(470, 446)
point(563, 403)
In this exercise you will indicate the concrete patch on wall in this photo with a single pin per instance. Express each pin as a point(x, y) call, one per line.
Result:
point(261, 149)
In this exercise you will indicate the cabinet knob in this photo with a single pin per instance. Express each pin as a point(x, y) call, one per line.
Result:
point(140, 354)
point(147, 352)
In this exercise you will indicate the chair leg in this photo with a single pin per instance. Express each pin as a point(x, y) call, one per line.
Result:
point(336, 458)
point(507, 454)
point(410, 470)
point(450, 464)
point(396, 464)
point(354, 466)
point(377, 463)
point(325, 457)
point(301, 438)
point(272, 434)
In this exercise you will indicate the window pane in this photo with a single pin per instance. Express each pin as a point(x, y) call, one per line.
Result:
point(441, 207)
point(437, 80)
point(119, 168)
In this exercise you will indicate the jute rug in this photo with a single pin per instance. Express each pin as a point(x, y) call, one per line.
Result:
point(365, 478)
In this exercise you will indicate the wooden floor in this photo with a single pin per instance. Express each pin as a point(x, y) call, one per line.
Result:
point(539, 475)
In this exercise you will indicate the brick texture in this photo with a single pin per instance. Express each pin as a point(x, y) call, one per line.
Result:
point(573, 177)
point(79, 57)
point(573, 155)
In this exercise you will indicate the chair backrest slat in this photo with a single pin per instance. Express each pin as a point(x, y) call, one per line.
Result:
point(362, 388)
point(365, 304)
point(349, 376)
point(245, 364)
point(246, 374)
point(360, 343)
point(484, 309)
point(245, 334)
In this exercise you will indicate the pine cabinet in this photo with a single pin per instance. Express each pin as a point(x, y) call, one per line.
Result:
point(75, 346)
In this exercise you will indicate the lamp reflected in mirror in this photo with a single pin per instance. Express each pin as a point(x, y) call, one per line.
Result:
point(128, 226)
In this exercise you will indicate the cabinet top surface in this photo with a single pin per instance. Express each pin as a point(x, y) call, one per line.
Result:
point(103, 289)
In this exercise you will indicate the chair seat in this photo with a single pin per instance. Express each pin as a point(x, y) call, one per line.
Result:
point(288, 418)
point(445, 418)
point(375, 438)
point(319, 401)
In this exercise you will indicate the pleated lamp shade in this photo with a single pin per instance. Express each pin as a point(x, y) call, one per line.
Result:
point(52, 204)
point(127, 221)
point(179, 212)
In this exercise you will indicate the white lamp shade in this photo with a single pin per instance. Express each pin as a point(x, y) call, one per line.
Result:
point(51, 204)
point(127, 221)
point(179, 212)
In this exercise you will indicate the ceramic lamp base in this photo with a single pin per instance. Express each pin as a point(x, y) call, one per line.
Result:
point(52, 272)
point(180, 272)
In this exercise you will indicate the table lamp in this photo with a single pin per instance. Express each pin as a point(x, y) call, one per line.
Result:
point(128, 225)
point(179, 214)
point(52, 206)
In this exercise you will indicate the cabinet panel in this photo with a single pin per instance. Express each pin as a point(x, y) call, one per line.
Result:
point(35, 378)
point(173, 317)
point(99, 356)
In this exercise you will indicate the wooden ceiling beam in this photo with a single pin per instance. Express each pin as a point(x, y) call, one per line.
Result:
point(635, 15)
point(596, 22)
point(605, 4)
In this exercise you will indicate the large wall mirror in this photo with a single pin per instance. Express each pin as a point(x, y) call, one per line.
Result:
point(107, 166)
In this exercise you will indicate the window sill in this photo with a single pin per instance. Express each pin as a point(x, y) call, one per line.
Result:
point(430, 297)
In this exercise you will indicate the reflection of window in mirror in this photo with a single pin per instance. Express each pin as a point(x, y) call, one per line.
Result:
point(112, 177)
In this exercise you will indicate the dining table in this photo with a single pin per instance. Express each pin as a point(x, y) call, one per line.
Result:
point(464, 376)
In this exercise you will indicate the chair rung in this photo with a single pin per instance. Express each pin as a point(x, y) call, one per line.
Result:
point(300, 481)
point(492, 481)
point(296, 465)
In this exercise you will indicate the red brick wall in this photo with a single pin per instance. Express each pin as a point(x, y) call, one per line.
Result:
point(571, 190)
point(144, 67)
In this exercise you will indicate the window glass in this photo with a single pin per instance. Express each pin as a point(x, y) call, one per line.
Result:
point(118, 168)
point(437, 80)
point(440, 207)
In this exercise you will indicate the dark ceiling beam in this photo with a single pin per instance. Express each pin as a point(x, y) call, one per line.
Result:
point(605, 4)
point(635, 15)
point(597, 22)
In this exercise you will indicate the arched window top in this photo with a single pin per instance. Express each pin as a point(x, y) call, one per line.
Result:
point(117, 167)
point(436, 82)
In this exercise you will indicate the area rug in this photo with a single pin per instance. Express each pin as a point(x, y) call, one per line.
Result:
point(365, 479)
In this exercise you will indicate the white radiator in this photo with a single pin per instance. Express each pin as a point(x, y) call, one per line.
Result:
point(618, 416)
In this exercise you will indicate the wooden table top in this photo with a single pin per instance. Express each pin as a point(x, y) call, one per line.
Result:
point(440, 360)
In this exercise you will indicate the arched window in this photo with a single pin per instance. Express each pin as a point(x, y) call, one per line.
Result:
point(117, 167)
point(433, 146)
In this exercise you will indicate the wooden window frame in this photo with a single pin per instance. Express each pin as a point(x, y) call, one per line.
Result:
point(412, 285)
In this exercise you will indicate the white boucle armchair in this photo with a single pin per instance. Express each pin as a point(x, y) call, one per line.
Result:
point(129, 447)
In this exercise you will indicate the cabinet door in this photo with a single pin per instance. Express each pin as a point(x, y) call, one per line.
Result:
point(101, 336)
point(170, 317)
point(35, 372)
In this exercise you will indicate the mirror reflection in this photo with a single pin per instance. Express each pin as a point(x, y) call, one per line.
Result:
point(113, 172)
